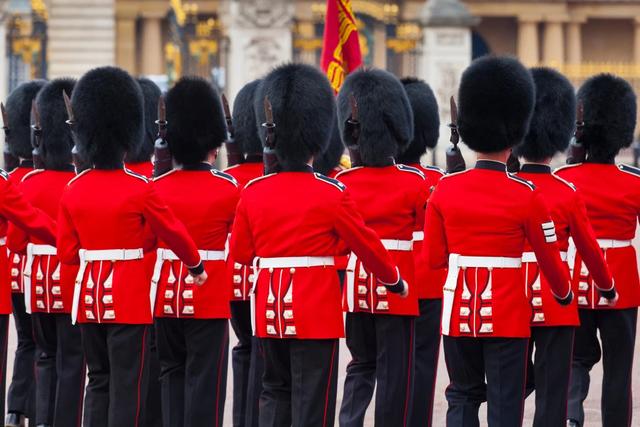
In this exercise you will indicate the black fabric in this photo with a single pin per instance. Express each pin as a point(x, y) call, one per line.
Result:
point(202, 166)
point(382, 352)
point(193, 357)
point(503, 361)
point(617, 330)
point(427, 337)
point(198, 269)
point(4, 339)
point(492, 165)
point(548, 373)
point(21, 394)
point(535, 168)
point(300, 382)
point(152, 407)
point(116, 357)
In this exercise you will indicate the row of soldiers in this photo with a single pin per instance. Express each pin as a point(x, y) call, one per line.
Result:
point(132, 280)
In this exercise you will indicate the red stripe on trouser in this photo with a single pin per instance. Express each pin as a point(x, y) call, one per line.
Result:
point(408, 392)
point(142, 353)
point(223, 350)
point(326, 398)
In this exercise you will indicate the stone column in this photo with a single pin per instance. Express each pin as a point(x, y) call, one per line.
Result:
point(553, 48)
point(636, 41)
point(151, 54)
point(528, 50)
point(126, 43)
point(574, 42)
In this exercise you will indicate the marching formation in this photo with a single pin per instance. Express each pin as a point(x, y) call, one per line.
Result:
point(126, 254)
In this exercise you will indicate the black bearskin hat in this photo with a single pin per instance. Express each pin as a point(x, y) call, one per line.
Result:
point(57, 141)
point(151, 94)
point(495, 103)
point(303, 110)
point(330, 158)
point(386, 118)
point(554, 116)
point(426, 120)
point(609, 116)
point(107, 106)
point(19, 115)
point(244, 120)
point(196, 123)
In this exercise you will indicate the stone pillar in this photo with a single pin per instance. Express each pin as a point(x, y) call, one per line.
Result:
point(380, 46)
point(574, 42)
point(528, 50)
point(151, 54)
point(636, 42)
point(126, 43)
point(553, 48)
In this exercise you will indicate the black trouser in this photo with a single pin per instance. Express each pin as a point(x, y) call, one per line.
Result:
point(152, 408)
point(503, 361)
point(21, 395)
point(193, 357)
point(4, 339)
point(60, 370)
point(382, 352)
point(548, 373)
point(300, 382)
point(427, 338)
point(248, 367)
point(116, 355)
point(618, 334)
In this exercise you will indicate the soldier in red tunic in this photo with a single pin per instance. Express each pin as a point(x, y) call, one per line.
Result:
point(612, 196)
point(392, 199)
point(293, 223)
point(477, 224)
point(553, 325)
point(191, 321)
point(102, 228)
point(21, 394)
point(139, 159)
point(428, 282)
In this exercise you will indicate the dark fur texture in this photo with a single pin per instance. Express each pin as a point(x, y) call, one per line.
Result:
point(108, 109)
point(495, 103)
point(303, 110)
point(57, 141)
point(19, 114)
point(244, 120)
point(426, 120)
point(609, 116)
point(554, 117)
point(143, 151)
point(386, 118)
point(196, 120)
point(329, 159)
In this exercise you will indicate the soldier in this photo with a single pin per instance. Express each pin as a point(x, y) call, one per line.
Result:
point(246, 356)
point(391, 198)
point(293, 223)
point(139, 159)
point(332, 161)
point(428, 282)
point(101, 227)
point(191, 321)
point(477, 224)
point(553, 325)
point(612, 197)
point(21, 394)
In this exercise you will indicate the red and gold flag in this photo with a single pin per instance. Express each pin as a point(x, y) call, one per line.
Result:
point(341, 46)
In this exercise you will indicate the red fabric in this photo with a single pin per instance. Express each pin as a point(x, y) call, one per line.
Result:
point(110, 209)
point(143, 168)
point(341, 45)
point(16, 261)
point(392, 201)
point(612, 198)
point(484, 212)
point(303, 214)
point(209, 221)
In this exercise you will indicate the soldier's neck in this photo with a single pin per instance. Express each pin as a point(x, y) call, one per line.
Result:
point(500, 156)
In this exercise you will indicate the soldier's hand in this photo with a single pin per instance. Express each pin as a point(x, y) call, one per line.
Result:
point(200, 279)
point(405, 291)
point(613, 301)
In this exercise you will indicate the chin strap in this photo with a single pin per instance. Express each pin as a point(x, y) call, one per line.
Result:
point(352, 132)
point(162, 162)
point(455, 161)
point(577, 151)
point(269, 157)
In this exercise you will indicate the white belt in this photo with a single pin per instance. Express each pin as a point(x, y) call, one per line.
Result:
point(33, 251)
point(456, 262)
point(531, 257)
point(613, 244)
point(90, 255)
point(397, 245)
point(418, 236)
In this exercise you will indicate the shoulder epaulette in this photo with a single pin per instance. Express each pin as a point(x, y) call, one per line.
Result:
point(32, 173)
point(452, 174)
point(561, 168)
point(136, 175)
point(435, 169)
point(564, 181)
point(411, 169)
point(4, 174)
point(521, 181)
point(260, 178)
point(154, 179)
point(75, 178)
point(225, 176)
point(346, 171)
point(340, 186)
point(629, 169)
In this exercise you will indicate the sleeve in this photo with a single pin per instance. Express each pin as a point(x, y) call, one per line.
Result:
point(68, 243)
point(421, 203)
point(364, 242)
point(15, 208)
point(435, 248)
point(541, 233)
point(241, 245)
point(17, 239)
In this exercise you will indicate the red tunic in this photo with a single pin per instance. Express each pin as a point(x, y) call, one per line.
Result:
point(612, 196)
point(485, 212)
point(108, 210)
point(302, 214)
point(51, 282)
point(142, 168)
point(392, 201)
point(570, 218)
point(209, 221)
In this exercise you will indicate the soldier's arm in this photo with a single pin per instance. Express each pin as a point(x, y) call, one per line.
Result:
point(17, 239)
point(435, 248)
point(241, 247)
point(421, 204)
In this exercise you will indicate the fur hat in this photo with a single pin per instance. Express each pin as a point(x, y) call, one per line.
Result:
point(244, 120)
point(330, 158)
point(57, 141)
point(554, 116)
point(196, 123)
point(108, 110)
point(609, 116)
point(426, 120)
point(303, 110)
point(19, 115)
point(495, 103)
point(143, 151)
